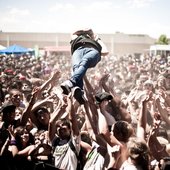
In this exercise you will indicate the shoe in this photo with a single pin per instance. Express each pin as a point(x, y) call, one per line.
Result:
point(66, 87)
point(79, 95)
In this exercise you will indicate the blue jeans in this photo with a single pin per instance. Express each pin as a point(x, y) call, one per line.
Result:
point(82, 59)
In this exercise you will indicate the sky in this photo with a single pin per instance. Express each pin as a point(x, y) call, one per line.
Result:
point(151, 17)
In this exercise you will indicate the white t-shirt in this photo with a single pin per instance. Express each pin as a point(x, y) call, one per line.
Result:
point(129, 166)
point(95, 160)
point(65, 157)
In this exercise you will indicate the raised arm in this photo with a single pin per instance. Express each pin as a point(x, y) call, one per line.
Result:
point(27, 112)
point(116, 102)
point(72, 115)
point(157, 150)
point(141, 126)
point(103, 129)
point(91, 105)
point(54, 117)
point(163, 110)
point(54, 77)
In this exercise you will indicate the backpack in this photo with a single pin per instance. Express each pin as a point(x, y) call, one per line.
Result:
point(82, 40)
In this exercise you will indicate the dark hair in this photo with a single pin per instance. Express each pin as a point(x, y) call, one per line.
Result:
point(8, 109)
point(40, 110)
point(122, 130)
point(166, 164)
point(86, 138)
point(65, 122)
point(19, 131)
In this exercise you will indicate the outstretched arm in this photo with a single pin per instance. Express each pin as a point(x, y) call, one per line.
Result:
point(72, 115)
point(54, 77)
point(141, 126)
point(27, 112)
point(54, 117)
point(116, 102)
point(157, 150)
point(163, 110)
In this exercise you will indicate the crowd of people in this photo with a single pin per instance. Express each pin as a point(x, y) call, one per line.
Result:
point(122, 123)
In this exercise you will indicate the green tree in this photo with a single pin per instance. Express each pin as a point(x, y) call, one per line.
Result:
point(162, 40)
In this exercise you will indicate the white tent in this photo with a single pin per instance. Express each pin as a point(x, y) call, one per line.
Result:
point(159, 50)
point(2, 47)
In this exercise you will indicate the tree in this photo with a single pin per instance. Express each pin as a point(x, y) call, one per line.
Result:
point(162, 40)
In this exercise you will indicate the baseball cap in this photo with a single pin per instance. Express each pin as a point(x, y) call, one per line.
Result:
point(7, 107)
point(103, 96)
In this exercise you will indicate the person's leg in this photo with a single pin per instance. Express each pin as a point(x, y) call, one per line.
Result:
point(76, 59)
point(83, 59)
point(88, 57)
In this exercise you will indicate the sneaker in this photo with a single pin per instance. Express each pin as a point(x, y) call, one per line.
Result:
point(66, 87)
point(79, 95)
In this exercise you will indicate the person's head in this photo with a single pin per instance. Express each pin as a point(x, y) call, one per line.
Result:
point(148, 85)
point(85, 137)
point(161, 82)
point(103, 100)
point(7, 98)
point(122, 130)
point(164, 164)
point(80, 118)
point(39, 136)
point(63, 128)
point(26, 87)
point(23, 137)
point(8, 112)
point(139, 83)
point(43, 116)
point(138, 152)
point(15, 97)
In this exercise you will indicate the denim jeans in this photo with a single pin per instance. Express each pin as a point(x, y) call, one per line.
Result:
point(82, 59)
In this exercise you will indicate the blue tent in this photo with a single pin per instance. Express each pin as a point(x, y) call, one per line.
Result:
point(16, 49)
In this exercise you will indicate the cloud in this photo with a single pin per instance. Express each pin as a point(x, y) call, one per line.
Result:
point(13, 15)
point(19, 12)
point(106, 5)
point(60, 7)
point(14, 19)
point(139, 3)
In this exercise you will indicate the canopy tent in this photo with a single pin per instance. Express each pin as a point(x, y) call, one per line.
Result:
point(2, 47)
point(16, 49)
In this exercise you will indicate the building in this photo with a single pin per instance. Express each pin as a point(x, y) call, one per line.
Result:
point(162, 50)
point(118, 44)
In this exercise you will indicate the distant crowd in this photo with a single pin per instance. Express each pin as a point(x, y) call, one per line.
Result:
point(124, 123)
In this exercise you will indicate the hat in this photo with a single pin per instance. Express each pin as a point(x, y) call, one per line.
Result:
point(7, 106)
point(148, 82)
point(103, 96)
